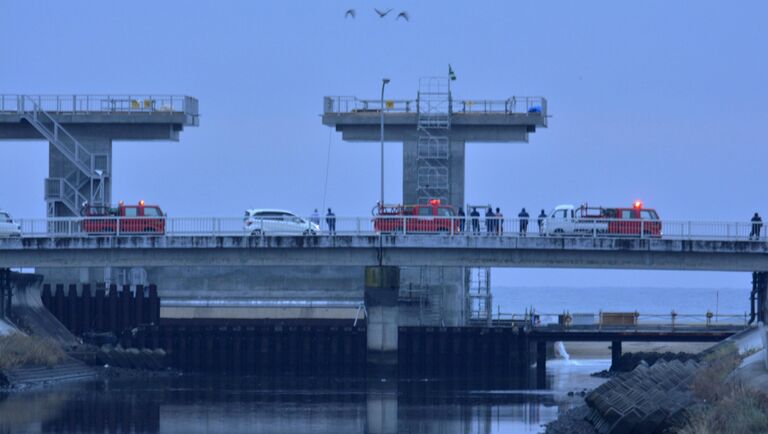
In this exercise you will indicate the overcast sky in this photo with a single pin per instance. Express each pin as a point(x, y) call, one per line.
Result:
point(654, 100)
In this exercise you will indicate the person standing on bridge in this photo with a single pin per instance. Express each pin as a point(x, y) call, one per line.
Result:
point(315, 217)
point(462, 219)
point(475, 221)
point(330, 219)
point(542, 217)
point(523, 216)
point(757, 225)
point(490, 223)
point(499, 222)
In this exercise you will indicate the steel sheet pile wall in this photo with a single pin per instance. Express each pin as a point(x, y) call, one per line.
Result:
point(102, 310)
point(453, 352)
point(275, 349)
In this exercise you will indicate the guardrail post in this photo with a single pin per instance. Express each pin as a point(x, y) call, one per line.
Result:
point(358, 225)
point(405, 222)
point(642, 229)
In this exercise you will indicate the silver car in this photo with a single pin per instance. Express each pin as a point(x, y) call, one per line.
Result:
point(277, 221)
point(8, 227)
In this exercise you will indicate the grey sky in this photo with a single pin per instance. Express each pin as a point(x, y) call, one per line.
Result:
point(657, 100)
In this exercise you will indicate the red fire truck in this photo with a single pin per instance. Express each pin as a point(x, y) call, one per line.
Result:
point(423, 218)
point(125, 219)
point(634, 221)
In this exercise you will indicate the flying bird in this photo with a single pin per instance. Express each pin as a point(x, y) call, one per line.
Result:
point(382, 14)
point(350, 13)
point(403, 14)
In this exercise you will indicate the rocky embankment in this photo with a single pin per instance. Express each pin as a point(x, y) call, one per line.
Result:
point(647, 399)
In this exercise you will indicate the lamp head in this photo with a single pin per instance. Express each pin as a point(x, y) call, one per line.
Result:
point(385, 80)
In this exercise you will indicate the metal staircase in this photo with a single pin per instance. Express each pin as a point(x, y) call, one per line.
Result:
point(85, 175)
point(433, 147)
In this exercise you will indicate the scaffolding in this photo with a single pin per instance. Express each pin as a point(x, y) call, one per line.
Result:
point(433, 147)
point(479, 297)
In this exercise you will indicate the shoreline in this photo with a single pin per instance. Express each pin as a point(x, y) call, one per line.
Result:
point(602, 350)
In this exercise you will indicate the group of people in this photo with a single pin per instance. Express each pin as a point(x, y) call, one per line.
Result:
point(330, 220)
point(494, 221)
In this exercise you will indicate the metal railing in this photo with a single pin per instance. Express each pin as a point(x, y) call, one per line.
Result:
point(512, 105)
point(413, 225)
point(620, 320)
point(102, 104)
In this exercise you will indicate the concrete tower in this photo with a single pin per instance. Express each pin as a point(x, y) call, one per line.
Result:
point(434, 129)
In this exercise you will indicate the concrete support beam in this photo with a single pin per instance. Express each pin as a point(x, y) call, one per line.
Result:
point(381, 291)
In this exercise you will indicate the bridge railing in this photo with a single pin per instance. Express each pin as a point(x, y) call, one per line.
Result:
point(398, 225)
point(512, 105)
point(102, 104)
point(625, 320)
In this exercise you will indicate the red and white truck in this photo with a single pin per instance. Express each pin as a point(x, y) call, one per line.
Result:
point(612, 221)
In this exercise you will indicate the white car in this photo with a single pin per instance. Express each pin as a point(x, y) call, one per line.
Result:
point(569, 220)
point(276, 221)
point(8, 227)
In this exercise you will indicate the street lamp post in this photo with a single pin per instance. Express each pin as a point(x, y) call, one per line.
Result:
point(384, 82)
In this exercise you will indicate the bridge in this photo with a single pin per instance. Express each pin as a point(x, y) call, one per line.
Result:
point(684, 245)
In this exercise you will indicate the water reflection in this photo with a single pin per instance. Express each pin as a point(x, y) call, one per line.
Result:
point(206, 403)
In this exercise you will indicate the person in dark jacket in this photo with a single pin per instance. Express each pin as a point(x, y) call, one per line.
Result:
point(462, 219)
point(523, 216)
point(475, 221)
point(330, 219)
point(542, 217)
point(490, 222)
point(757, 225)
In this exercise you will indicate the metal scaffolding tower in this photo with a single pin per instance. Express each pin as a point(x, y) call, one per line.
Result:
point(434, 150)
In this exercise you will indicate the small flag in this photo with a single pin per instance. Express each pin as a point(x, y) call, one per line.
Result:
point(451, 74)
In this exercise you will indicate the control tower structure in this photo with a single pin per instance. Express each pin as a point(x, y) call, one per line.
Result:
point(80, 130)
point(434, 129)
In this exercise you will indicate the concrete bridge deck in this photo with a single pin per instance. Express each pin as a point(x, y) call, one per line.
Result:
point(395, 250)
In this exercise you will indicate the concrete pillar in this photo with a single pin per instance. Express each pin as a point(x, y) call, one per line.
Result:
point(541, 364)
point(381, 408)
point(455, 172)
point(59, 166)
point(5, 293)
point(760, 288)
point(381, 291)
point(615, 352)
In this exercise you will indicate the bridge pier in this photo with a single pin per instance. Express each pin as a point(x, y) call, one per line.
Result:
point(759, 296)
point(5, 293)
point(615, 352)
point(381, 293)
point(541, 364)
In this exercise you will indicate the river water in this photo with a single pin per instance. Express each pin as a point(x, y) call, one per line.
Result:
point(205, 403)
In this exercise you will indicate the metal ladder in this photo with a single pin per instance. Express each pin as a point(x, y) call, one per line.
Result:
point(85, 181)
point(433, 147)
